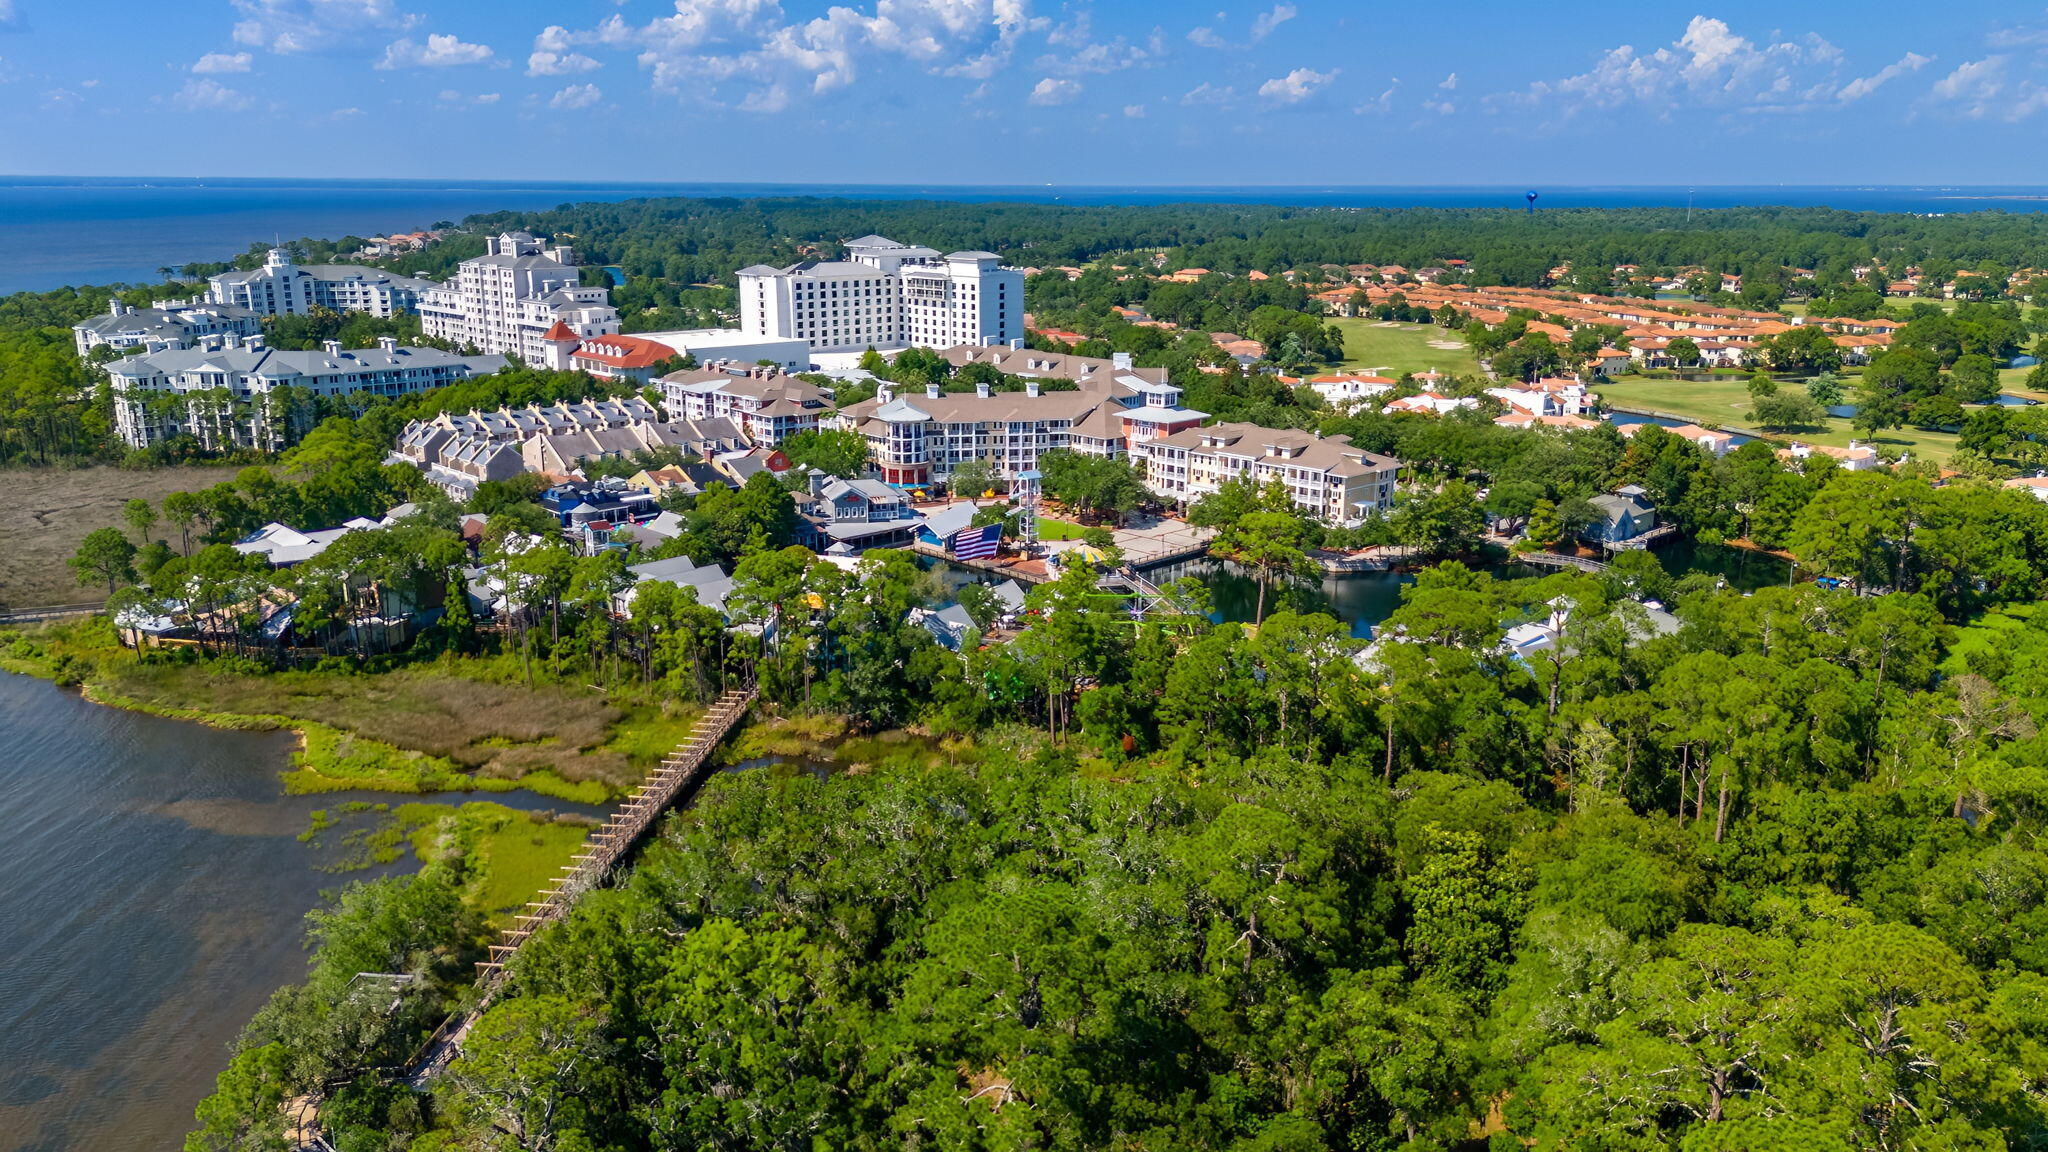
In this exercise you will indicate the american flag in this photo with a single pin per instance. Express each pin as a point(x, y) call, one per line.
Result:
point(977, 543)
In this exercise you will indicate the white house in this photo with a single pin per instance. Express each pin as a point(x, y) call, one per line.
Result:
point(2035, 486)
point(1344, 387)
point(1431, 404)
point(1855, 458)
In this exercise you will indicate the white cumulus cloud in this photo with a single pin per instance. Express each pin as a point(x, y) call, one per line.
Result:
point(206, 95)
point(1050, 91)
point(438, 52)
point(1296, 86)
point(292, 26)
point(576, 96)
point(749, 54)
point(1709, 66)
point(544, 63)
point(222, 63)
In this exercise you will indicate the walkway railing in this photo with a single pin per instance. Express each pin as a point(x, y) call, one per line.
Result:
point(602, 852)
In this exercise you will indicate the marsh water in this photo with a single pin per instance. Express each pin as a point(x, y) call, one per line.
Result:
point(152, 895)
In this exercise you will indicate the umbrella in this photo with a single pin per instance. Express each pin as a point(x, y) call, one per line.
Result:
point(1088, 553)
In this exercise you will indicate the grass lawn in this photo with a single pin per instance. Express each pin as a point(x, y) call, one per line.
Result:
point(2014, 380)
point(1985, 631)
point(1402, 348)
point(1725, 403)
point(1050, 529)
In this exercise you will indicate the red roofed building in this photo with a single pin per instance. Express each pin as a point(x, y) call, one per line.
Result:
point(619, 357)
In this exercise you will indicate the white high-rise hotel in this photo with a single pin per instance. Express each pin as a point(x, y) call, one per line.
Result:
point(509, 298)
point(885, 295)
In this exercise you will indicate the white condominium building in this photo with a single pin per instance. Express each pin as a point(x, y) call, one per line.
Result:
point(226, 392)
point(885, 295)
point(1325, 476)
point(165, 324)
point(508, 299)
point(282, 288)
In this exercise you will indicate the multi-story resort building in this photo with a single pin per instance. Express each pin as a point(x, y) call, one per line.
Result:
point(226, 392)
point(765, 404)
point(511, 297)
point(885, 295)
point(915, 440)
point(459, 450)
point(166, 324)
point(282, 288)
point(1325, 476)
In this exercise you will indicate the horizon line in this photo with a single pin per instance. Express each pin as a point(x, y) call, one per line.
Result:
point(473, 181)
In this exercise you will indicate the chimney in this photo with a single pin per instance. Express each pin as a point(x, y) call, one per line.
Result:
point(116, 308)
point(933, 391)
point(1031, 388)
point(817, 482)
point(982, 390)
point(1120, 359)
point(884, 394)
point(253, 343)
point(333, 347)
point(389, 345)
point(1017, 345)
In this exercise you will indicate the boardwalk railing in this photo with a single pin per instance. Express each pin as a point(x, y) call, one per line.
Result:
point(602, 852)
point(59, 612)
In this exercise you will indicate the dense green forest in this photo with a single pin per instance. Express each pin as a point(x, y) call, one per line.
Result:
point(1770, 878)
point(1773, 880)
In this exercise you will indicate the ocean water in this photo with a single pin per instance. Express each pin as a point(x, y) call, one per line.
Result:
point(59, 230)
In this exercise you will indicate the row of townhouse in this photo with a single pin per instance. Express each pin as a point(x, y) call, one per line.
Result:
point(223, 392)
point(1725, 337)
point(459, 450)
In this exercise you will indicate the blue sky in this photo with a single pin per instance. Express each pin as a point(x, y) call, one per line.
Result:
point(1028, 91)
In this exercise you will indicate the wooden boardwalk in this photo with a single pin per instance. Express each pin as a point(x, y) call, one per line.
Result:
point(59, 612)
point(601, 853)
